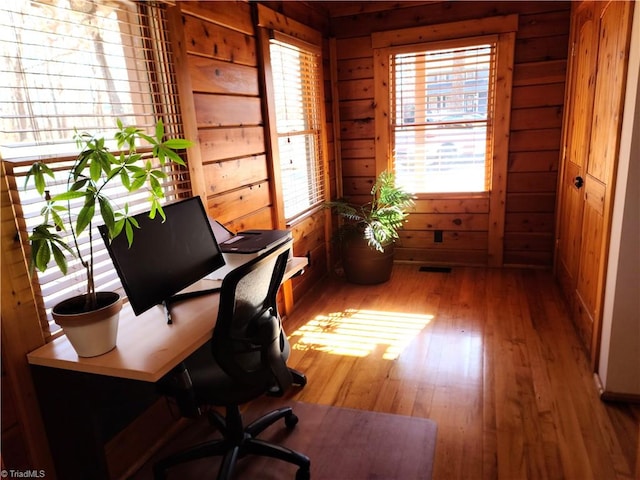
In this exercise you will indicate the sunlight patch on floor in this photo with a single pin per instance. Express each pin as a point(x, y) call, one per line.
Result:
point(360, 332)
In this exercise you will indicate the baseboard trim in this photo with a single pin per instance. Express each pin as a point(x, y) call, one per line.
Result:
point(608, 396)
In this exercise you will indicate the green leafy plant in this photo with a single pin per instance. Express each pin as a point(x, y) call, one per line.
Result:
point(93, 169)
point(379, 220)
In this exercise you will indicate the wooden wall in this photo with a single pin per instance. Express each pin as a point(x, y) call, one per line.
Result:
point(24, 444)
point(221, 49)
point(536, 116)
point(217, 53)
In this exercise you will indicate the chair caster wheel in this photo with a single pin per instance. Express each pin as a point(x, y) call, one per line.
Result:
point(303, 474)
point(291, 421)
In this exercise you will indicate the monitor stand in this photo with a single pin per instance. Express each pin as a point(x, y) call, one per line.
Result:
point(166, 303)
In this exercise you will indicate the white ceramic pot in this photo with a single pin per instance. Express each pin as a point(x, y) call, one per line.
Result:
point(90, 333)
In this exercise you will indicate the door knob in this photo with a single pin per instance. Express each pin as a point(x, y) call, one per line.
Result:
point(578, 182)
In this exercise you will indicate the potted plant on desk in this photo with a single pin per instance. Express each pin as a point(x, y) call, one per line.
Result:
point(369, 231)
point(90, 320)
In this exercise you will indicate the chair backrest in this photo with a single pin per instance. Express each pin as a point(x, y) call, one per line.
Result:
point(246, 339)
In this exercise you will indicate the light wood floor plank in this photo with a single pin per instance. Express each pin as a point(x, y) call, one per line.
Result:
point(489, 354)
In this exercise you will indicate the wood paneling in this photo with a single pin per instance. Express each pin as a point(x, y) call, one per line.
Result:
point(535, 125)
point(446, 256)
point(26, 445)
point(359, 89)
point(228, 14)
point(462, 240)
point(533, 161)
point(550, 47)
point(360, 148)
point(223, 143)
point(310, 242)
point(537, 118)
point(538, 73)
point(226, 110)
point(226, 175)
point(445, 31)
point(428, 13)
point(239, 202)
point(215, 41)
point(471, 204)
point(526, 182)
point(545, 95)
point(222, 51)
point(530, 202)
point(461, 222)
point(533, 222)
point(273, 19)
point(217, 76)
point(351, 69)
point(259, 219)
point(313, 14)
point(350, 47)
point(447, 221)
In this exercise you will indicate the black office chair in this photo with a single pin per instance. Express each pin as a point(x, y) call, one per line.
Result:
point(245, 359)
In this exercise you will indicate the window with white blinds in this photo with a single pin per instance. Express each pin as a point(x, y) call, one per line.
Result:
point(297, 89)
point(81, 64)
point(441, 117)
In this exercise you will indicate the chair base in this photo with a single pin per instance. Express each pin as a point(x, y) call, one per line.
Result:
point(238, 442)
point(299, 378)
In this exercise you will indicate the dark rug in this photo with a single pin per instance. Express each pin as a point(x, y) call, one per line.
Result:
point(342, 443)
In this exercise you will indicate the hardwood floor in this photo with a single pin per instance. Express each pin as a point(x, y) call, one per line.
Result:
point(490, 355)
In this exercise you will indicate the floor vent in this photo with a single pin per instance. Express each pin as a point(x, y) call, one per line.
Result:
point(436, 269)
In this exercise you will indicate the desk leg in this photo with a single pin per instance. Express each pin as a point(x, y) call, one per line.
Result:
point(81, 412)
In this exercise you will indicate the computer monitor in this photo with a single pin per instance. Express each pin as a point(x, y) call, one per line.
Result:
point(165, 257)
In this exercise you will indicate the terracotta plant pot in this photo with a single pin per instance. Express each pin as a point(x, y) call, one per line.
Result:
point(365, 265)
point(90, 333)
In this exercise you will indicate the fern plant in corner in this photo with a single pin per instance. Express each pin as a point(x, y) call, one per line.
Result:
point(376, 224)
point(380, 219)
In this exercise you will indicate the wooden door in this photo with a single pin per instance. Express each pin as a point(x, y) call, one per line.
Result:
point(598, 74)
point(579, 105)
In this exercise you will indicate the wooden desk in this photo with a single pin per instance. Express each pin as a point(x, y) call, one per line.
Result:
point(147, 348)
point(86, 401)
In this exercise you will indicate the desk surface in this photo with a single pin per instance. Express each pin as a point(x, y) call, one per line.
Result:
point(147, 347)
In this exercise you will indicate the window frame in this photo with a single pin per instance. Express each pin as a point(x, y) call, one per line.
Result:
point(310, 108)
point(505, 28)
point(311, 41)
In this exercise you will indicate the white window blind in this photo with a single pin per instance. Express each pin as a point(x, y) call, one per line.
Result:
point(296, 82)
point(78, 64)
point(441, 104)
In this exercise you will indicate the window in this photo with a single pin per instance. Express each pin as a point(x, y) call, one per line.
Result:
point(81, 64)
point(444, 145)
point(298, 101)
point(467, 129)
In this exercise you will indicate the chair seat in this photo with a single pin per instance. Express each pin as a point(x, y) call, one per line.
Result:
point(212, 386)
